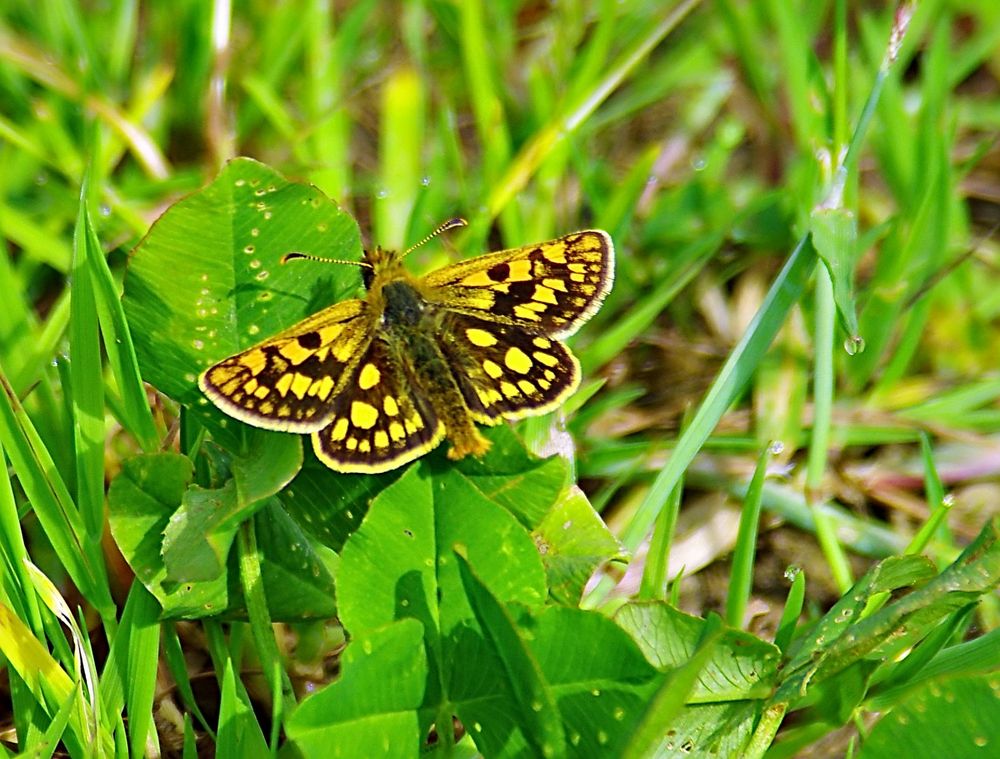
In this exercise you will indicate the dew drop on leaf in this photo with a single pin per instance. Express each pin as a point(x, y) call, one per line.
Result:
point(854, 345)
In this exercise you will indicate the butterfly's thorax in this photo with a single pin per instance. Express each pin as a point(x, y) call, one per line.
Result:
point(403, 308)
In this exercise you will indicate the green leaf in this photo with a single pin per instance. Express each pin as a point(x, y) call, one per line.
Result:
point(574, 541)
point(533, 698)
point(207, 282)
point(239, 735)
point(156, 512)
point(835, 236)
point(298, 576)
point(197, 539)
point(741, 667)
point(371, 710)
point(331, 506)
point(840, 639)
point(400, 561)
point(657, 731)
point(510, 476)
point(950, 716)
point(51, 502)
point(86, 373)
point(268, 466)
point(600, 698)
point(141, 500)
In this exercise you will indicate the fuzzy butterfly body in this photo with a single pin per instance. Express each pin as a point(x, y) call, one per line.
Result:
point(379, 381)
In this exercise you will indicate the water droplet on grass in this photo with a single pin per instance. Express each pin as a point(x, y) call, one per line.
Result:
point(854, 345)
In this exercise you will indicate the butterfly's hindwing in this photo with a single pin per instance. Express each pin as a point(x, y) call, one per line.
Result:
point(549, 288)
point(377, 422)
point(286, 382)
point(505, 372)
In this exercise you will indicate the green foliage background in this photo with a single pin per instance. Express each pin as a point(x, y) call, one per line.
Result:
point(802, 197)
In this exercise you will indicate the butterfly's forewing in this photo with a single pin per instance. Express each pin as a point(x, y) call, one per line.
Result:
point(377, 422)
point(550, 288)
point(505, 372)
point(287, 381)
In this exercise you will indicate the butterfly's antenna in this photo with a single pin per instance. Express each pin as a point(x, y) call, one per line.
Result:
point(295, 256)
point(450, 224)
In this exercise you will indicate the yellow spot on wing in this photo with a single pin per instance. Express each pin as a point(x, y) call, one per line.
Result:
point(555, 284)
point(543, 342)
point(523, 312)
point(323, 387)
point(262, 391)
point(492, 368)
point(527, 387)
point(520, 271)
point(363, 415)
point(369, 376)
point(345, 349)
point(489, 396)
point(509, 390)
point(300, 384)
point(339, 431)
point(328, 334)
point(554, 254)
point(396, 431)
point(255, 361)
point(546, 358)
point(517, 360)
point(294, 352)
point(480, 337)
point(390, 406)
point(364, 446)
point(381, 439)
point(283, 384)
point(544, 295)
point(250, 386)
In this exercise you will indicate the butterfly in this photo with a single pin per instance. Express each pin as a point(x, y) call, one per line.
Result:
point(379, 381)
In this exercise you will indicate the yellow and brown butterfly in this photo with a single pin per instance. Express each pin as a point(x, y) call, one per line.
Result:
point(380, 380)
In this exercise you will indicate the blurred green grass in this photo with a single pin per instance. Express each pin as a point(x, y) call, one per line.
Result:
point(702, 139)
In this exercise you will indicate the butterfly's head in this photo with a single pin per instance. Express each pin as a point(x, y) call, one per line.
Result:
point(378, 264)
point(384, 265)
